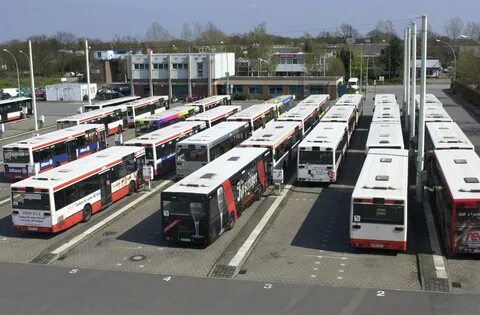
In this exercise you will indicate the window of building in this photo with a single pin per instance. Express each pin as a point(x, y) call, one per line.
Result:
point(185, 66)
point(275, 90)
point(175, 65)
point(289, 61)
point(255, 90)
point(237, 89)
point(99, 55)
point(147, 66)
point(155, 66)
point(200, 69)
point(317, 89)
point(295, 89)
point(136, 66)
point(295, 61)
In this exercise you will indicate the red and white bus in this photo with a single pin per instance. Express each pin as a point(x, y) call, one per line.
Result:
point(14, 108)
point(453, 178)
point(62, 197)
point(256, 115)
point(113, 118)
point(42, 153)
point(345, 114)
point(378, 213)
point(216, 115)
point(356, 100)
point(145, 107)
point(318, 100)
point(211, 102)
point(203, 205)
point(308, 116)
point(110, 103)
point(446, 136)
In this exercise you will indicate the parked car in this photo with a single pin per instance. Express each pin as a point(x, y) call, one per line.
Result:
point(40, 94)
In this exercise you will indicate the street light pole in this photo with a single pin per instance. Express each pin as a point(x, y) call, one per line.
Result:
point(413, 38)
point(88, 73)
point(16, 65)
point(32, 82)
point(454, 61)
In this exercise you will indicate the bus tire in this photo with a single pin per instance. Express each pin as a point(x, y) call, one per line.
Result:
point(231, 221)
point(86, 213)
point(57, 164)
point(131, 187)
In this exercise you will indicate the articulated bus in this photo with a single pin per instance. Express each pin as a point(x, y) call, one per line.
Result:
point(14, 108)
point(110, 103)
point(145, 107)
point(387, 114)
point(384, 99)
point(307, 115)
point(69, 194)
point(41, 153)
point(378, 213)
point(321, 153)
point(454, 180)
point(202, 206)
point(166, 118)
point(211, 102)
point(345, 114)
point(216, 115)
point(113, 118)
point(384, 136)
point(160, 145)
point(430, 99)
point(257, 116)
point(320, 101)
point(356, 100)
point(445, 136)
point(206, 146)
point(282, 139)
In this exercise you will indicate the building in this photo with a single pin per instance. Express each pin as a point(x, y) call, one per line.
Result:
point(112, 54)
point(70, 91)
point(434, 68)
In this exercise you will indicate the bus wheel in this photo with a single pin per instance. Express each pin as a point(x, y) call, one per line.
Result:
point(57, 164)
point(87, 213)
point(231, 221)
point(131, 187)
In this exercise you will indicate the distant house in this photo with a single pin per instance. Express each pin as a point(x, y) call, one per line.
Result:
point(434, 68)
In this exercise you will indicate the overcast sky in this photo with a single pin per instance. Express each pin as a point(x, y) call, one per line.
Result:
point(103, 19)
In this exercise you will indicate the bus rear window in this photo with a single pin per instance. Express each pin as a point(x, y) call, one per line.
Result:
point(20, 156)
point(316, 157)
point(184, 205)
point(31, 201)
point(196, 155)
point(370, 213)
point(468, 217)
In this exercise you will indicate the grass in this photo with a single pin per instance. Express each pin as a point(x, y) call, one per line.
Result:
point(25, 81)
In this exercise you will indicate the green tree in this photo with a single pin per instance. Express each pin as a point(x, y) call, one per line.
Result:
point(392, 57)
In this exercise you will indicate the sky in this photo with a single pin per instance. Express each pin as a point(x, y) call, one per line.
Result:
point(103, 19)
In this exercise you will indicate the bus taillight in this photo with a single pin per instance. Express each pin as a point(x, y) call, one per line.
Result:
point(331, 174)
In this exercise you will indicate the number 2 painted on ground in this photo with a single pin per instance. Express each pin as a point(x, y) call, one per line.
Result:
point(267, 286)
point(381, 293)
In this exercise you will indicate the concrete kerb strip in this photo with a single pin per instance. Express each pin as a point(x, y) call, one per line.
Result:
point(79, 238)
point(4, 201)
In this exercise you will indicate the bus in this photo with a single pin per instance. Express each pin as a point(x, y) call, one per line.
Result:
point(62, 197)
point(384, 136)
point(435, 113)
point(168, 117)
point(318, 100)
point(322, 152)
point(279, 103)
point(453, 179)
point(211, 102)
point(110, 103)
point(145, 107)
point(356, 100)
point(307, 115)
point(345, 114)
point(216, 115)
point(282, 139)
point(378, 212)
point(257, 116)
point(446, 136)
point(41, 153)
point(430, 99)
point(160, 145)
point(14, 108)
point(387, 114)
point(384, 99)
point(204, 147)
point(113, 118)
point(203, 205)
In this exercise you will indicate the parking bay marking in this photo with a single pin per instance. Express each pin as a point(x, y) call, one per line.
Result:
point(4, 201)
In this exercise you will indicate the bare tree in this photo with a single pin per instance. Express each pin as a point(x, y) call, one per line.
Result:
point(453, 28)
point(472, 30)
point(186, 33)
point(156, 33)
point(347, 31)
point(382, 31)
point(212, 35)
point(65, 39)
point(197, 31)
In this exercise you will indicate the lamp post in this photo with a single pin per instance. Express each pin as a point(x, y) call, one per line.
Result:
point(468, 37)
point(88, 72)
point(16, 65)
point(454, 61)
point(32, 82)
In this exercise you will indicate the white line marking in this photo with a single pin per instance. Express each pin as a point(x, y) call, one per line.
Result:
point(355, 151)
point(247, 245)
point(27, 132)
point(4, 201)
point(77, 239)
point(438, 259)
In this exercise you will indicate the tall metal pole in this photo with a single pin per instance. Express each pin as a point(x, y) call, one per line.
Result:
point(16, 67)
point(32, 82)
point(361, 67)
point(88, 72)
point(132, 87)
point(414, 80)
point(405, 80)
point(408, 75)
point(150, 72)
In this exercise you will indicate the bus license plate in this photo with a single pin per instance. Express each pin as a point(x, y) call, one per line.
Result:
point(376, 245)
point(31, 228)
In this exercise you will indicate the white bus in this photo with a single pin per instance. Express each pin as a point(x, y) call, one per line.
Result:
point(211, 102)
point(378, 213)
point(387, 114)
point(110, 103)
point(321, 153)
point(435, 113)
point(282, 139)
point(446, 136)
point(257, 116)
point(15, 108)
point(320, 101)
point(356, 100)
point(307, 115)
point(145, 107)
point(69, 194)
point(216, 115)
point(279, 103)
point(384, 136)
point(160, 145)
point(384, 99)
point(160, 120)
point(345, 114)
point(38, 154)
point(204, 147)
point(430, 99)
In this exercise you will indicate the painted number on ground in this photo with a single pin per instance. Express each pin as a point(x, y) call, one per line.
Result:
point(381, 293)
point(73, 271)
point(267, 286)
point(167, 278)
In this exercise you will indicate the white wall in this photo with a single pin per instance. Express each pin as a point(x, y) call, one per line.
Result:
point(69, 92)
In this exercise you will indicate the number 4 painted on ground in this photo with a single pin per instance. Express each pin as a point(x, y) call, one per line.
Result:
point(167, 278)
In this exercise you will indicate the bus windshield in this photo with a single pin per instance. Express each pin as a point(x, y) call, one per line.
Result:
point(31, 200)
point(468, 217)
point(197, 155)
point(371, 213)
point(20, 156)
point(316, 157)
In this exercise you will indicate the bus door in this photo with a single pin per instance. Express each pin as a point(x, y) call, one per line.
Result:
point(105, 187)
point(71, 150)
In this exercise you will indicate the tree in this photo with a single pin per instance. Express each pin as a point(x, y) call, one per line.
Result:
point(212, 35)
point(156, 33)
point(472, 30)
point(392, 56)
point(186, 33)
point(197, 31)
point(468, 66)
point(344, 56)
point(347, 31)
point(382, 31)
point(453, 28)
point(335, 67)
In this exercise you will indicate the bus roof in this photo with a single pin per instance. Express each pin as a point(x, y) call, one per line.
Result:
point(215, 173)
point(54, 137)
point(175, 112)
point(280, 99)
point(210, 100)
point(216, 113)
point(325, 135)
point(435, 113)
point(386, 135)
point(14, 100)
point(211, 136)
point(381, 99)
point(272, 134)
point(384, 174)
point(77, 170)
point(429, 99)
point(298, 113)
point(461, 169)
point(97, 113)
point(315, 100)
point(166, 134)
point(350, 99)
point(147, 101)
point(448, 135)
point(251, 112)
point(339, 113)
point(387, 113)
point(114, 101)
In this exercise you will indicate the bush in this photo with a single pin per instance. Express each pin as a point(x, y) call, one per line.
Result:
point(240, 97)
